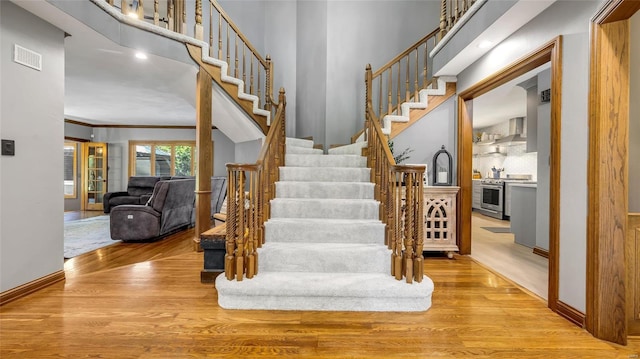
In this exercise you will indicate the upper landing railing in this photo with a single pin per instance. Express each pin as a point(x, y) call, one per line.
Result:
point(226, 41)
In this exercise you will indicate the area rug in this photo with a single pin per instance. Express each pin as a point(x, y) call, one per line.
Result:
point(498, 229)
point(86, 235)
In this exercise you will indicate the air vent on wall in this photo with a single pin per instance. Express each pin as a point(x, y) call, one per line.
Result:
point(27, 57)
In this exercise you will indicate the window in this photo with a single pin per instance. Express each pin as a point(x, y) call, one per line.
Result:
point(70, 169)
point(162, 158)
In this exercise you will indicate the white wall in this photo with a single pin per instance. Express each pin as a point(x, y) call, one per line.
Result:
point(426, 137)
point(32, 114)
point(118, 139)
point(570, 19)
point(634, 118)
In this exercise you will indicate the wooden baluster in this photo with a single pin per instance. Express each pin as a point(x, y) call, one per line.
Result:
point(228, 48)
point(252, 222)
point(140, 10)
point(198, 29)
point(170, 18)
point(268, 84)
point(456, 12)
point(210, 29)
point(240, 252)
point(230, 261)
point(184, 19)
point(251, 89)
point(425, 71)
point(110, 2)
point(244, 69)
point(219, 36)
point(235, 56)
point(124, 7)
point(380, 98)
point(156, 12)
point(418, 264)
point(416, 97)
point(407, 262)
point(259, 87)
point(443, 18)
point(367, 94)
point(397, 104)
point(397, 243)
point(389, 88)
point(406, 84)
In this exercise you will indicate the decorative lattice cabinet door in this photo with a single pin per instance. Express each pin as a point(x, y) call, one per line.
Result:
point(440, 219)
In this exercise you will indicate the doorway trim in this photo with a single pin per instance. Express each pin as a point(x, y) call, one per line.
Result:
point(549, 52)
point(608, 170)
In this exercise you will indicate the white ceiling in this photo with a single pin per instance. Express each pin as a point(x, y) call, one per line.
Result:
point(504, 102)
point(105, 84)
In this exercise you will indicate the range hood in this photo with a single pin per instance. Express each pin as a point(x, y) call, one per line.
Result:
point(516, 126)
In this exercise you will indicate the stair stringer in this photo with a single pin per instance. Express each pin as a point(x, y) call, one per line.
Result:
point(422, 103)
point(260, 116)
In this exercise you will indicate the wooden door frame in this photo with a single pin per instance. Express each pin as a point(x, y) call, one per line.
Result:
point(549, 52)
point(608, 170)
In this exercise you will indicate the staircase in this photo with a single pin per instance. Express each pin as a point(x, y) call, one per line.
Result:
point(324, 244)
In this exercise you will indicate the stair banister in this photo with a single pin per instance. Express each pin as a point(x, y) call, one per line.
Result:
point(399, 190)
point(250, 188)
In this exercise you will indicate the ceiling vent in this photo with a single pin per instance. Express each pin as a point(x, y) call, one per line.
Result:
point(27, 57)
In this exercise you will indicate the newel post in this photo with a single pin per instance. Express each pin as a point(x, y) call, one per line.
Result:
point(368, 79)
point(204, 146)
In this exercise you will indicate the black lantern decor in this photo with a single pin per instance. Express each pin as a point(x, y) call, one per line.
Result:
point(442, 172)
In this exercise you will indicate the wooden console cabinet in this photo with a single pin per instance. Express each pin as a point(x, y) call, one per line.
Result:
point(440, 219)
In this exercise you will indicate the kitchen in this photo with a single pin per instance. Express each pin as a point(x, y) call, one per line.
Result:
point(511, 179)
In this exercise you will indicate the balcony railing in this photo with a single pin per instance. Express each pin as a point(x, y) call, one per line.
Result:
point(226, 41)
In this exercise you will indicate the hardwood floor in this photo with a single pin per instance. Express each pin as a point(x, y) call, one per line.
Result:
point(159, 309)
point(500, 253)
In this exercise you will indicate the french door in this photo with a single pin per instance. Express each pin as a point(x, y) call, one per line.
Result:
point(94, 175)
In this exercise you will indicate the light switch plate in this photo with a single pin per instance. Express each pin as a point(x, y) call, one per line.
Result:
point(8, 148)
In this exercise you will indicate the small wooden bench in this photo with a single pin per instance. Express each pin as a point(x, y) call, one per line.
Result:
point(212, 243)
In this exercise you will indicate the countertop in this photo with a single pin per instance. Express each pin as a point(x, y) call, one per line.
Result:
point(525, 185)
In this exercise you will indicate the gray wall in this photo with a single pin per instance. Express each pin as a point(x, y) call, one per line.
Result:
point(570, 19)
point(634, 118)
point(426, 136)
point(31, 113)
point(543, 146)
point(118, 140)
point(247, 152)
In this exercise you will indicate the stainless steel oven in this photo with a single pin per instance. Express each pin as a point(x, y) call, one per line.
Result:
point(493, 198)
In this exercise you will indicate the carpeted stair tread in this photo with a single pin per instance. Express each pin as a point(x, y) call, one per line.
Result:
point(352, 149)
point(325, 174)
point(298, 142)
point(325, 230)
point(314, 189)
point(324, 291)
point(303, 150)
point(301, 160)
point(324, 257)
point(324, 208)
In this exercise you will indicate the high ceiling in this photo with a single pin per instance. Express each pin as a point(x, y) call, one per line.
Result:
point(106, 84)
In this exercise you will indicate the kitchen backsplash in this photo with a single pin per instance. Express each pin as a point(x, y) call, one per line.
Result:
point(516, 160)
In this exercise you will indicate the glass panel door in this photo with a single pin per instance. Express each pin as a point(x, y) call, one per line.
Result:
point(94, 175)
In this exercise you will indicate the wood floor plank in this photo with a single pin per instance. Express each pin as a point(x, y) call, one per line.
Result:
point(159, 309)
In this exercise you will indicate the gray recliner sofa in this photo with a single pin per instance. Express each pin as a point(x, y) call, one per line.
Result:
point(139, 189)
point(169, 210)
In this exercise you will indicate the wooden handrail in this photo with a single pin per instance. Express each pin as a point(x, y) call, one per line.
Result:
point(405, 53)
point(400, 191)
point(250, 188)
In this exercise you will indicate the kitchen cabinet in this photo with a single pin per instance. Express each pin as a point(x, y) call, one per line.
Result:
point(477, 194)
point(440, 219)
point(523, 214)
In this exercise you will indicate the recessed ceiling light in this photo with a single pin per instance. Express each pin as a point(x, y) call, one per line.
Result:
point(141, 55)
point(485, 44)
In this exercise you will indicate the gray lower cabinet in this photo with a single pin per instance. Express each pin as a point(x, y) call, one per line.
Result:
point(477, 194)
point(523, 214)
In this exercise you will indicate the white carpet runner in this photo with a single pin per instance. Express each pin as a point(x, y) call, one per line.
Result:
point(324, 244)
